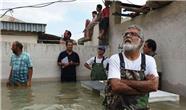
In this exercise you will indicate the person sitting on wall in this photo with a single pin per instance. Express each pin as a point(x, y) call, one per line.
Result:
point(104, 23)
point(89, 26)
point(98, 65)
point(67, 35)
point(21, 67)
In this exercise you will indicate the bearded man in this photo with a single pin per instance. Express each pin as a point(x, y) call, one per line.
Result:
point(21, 67)
point(132, 75)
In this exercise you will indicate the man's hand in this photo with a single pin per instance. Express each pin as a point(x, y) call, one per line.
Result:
point(71, 63)
point(29, 84)
point(64, 65)
point(8, 83)
point(150, 77)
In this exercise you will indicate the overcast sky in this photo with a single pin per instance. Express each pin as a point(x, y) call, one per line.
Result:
point(58, 16)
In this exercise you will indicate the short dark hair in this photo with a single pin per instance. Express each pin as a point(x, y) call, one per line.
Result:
point(19, 45)
point(69, 41)
point(99, 6)
point(151, 44)
point(94, 12)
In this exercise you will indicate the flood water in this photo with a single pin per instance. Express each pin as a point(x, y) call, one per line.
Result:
point(63, 96)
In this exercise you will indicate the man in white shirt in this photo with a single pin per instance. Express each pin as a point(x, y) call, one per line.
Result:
point(98, 65)
point(131, 75)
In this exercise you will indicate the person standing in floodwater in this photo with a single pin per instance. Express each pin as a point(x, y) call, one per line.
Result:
point(132, 75)
point(98, 65)
point(21, 67)
point(150, 49)
point(68, 60)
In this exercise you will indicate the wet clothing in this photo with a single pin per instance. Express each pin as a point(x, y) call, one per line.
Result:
point(114, 101)
point(20, 66)
point(68, 73)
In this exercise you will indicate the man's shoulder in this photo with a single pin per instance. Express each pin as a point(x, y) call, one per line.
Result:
point(75, 53)
point(25, 54)
point(149, 59)
point(93, 57)
point(157, 57)
point(63, 53)
point(106, 57)
point(114, 57)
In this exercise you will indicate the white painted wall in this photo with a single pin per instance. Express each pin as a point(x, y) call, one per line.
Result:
point(167, 26)
point(44, 58)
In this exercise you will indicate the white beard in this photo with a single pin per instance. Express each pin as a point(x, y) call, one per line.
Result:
point(131, 47)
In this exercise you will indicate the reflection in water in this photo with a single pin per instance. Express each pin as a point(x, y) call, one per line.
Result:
point(68, 93)
point(51, 96)
point(73, 97)
point(63, 96)
point(20, 97)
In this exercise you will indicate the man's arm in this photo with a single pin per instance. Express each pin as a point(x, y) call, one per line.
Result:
point(10, 75)
point(148, 85)
point(63, 65)
point(30, 72)
point(77, 60)
point(119, 87)
point(59, 63)
point(87, 66)
point(73, 63)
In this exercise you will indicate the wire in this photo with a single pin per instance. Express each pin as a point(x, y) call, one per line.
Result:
point(34, 6)
point(39, 5)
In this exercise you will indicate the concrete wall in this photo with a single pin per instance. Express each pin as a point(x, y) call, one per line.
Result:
point(44, 58)
point(167, 26)
point(94, 41)
point(9, 36)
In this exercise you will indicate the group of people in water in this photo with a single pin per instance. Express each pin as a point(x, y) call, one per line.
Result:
point(130, 75)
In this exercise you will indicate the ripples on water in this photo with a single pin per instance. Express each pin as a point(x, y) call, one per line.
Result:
point(66, 96)
point(50, 96)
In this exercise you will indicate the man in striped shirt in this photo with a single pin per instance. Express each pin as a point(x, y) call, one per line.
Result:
point(21, 67)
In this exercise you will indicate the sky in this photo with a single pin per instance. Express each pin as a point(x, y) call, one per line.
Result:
point(59, 16)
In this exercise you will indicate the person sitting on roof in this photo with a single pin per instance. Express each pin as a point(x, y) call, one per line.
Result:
point(104, 23)
point(91, 25)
